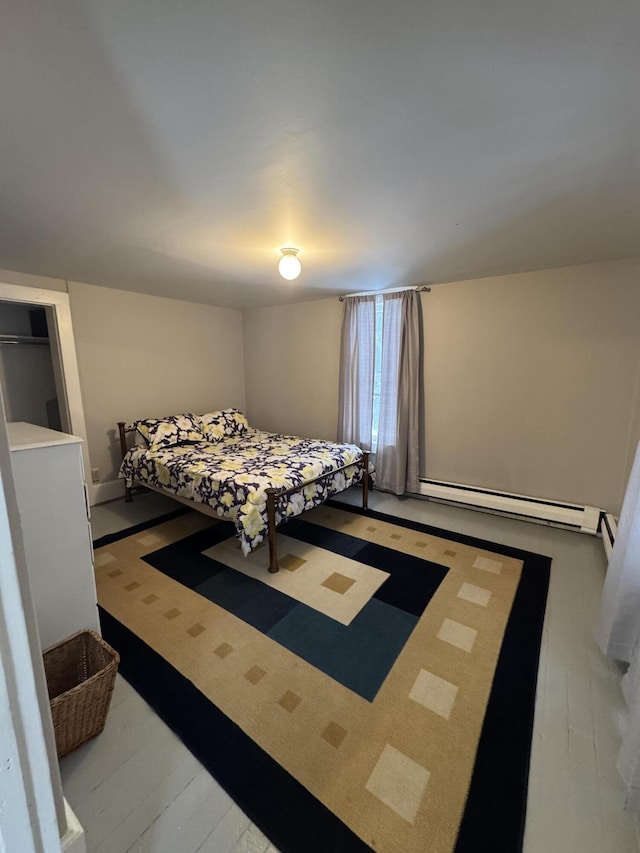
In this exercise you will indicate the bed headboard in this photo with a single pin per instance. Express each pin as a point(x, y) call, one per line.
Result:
point(123, 430)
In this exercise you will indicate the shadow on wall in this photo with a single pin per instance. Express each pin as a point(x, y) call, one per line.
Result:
point(114, 453)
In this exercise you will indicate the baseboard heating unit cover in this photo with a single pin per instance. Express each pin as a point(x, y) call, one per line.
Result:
point(583, 518)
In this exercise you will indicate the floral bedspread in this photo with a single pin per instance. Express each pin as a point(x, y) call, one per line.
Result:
point(231, 475)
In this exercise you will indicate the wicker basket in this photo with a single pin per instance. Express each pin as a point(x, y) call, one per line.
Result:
point(81, 673)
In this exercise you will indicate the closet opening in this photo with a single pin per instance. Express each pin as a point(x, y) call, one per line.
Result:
point(27, 374)
point(38, 364)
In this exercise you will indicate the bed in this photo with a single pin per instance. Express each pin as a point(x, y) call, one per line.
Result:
point(219, 465)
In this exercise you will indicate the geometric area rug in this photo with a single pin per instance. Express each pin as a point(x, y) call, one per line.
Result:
point(377, 693)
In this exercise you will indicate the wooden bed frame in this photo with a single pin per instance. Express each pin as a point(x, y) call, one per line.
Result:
point(271, 493)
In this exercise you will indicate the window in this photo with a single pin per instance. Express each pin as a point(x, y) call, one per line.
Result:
point(377, 371)
point(379, 383)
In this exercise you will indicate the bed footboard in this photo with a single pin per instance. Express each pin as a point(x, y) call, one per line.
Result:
point(272, 494)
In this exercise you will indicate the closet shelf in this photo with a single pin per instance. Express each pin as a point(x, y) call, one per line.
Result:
point(22, 339)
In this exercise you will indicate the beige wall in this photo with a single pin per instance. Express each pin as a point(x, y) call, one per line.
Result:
point(292, 355)
point(38, 281)
point(531, 380)
point(147, 356)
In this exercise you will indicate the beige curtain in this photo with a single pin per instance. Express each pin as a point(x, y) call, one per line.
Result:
point(357, 354)
point(396, 450)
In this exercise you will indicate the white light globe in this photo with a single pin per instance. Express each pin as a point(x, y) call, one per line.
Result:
point(289, 266)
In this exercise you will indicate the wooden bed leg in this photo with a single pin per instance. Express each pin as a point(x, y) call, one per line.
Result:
point(365, 481)
point(271, 517)
point(128, 496)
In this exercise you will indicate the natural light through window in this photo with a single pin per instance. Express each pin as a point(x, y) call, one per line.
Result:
point(377, 373)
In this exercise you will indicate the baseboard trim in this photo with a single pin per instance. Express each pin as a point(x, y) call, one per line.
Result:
point(108, 491)
point(74, 840)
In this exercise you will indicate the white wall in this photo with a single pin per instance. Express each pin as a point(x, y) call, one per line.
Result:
point(27, 378)
point(292, 355)
point(147, 356)
point(531, 380)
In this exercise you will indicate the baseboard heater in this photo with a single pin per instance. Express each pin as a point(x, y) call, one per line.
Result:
point(583, 518)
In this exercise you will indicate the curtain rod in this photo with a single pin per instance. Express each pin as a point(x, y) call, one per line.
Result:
point(420, 289)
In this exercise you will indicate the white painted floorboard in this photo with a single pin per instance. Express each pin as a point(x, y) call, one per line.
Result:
point(137, 789)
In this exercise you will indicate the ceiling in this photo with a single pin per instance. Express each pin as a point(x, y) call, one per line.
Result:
point(174, 146)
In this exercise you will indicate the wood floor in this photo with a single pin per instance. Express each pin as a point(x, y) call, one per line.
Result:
point(136, 789)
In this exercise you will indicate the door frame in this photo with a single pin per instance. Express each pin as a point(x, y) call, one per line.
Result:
point(64, 358)
point(33, 815)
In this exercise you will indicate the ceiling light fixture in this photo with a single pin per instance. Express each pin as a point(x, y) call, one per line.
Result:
point(289, 266)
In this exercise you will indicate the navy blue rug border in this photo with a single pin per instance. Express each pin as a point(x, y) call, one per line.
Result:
point(108, 538)
point(495, 811)
point(289, 815)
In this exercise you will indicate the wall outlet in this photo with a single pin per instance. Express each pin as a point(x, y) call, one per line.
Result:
point(95, 475)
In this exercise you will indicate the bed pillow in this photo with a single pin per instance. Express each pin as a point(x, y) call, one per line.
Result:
point(167, 432)
point(227, 423)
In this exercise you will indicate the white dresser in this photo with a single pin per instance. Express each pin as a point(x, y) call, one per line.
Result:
point(49, 482)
